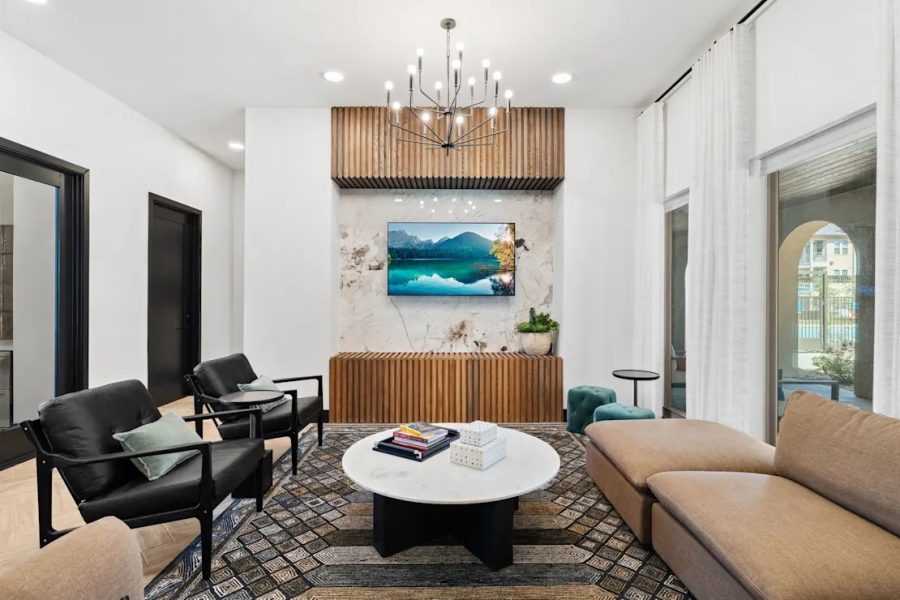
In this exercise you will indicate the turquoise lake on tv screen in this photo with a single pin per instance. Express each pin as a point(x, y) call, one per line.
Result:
point(451, 259)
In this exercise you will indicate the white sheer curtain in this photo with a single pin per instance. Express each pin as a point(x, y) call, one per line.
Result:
point(886, 388)
point(720, 376)
point(649, 314)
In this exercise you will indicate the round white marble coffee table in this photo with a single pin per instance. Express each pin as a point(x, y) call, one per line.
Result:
point(417, 501)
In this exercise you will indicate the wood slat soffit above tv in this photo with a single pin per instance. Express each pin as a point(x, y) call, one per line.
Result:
point(366, 153)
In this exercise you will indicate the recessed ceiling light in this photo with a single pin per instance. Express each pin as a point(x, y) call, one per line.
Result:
point(37, 1)
point(498, 200)
point(333, 76)
point(398, 199)
point(561, 78)
point(236, 145)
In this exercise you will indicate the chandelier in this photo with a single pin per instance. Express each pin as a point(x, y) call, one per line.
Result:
point(444, 120)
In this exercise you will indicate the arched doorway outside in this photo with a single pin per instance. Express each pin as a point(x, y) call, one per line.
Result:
point(823, 312)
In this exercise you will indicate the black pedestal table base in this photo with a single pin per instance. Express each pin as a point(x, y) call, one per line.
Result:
point(484, 529)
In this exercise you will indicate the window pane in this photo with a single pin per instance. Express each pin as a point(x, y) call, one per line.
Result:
point(826, 276)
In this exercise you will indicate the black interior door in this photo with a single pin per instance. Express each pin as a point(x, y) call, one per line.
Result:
point(173, 319)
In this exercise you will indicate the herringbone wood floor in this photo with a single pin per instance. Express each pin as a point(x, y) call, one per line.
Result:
point(18, 511)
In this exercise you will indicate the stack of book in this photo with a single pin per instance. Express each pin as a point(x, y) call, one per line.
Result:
point(419, 436)
point(417, 440)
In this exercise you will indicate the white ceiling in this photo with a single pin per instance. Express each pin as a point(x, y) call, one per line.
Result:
point(193, 65)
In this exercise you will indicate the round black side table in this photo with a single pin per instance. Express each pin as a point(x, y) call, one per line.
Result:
point(635, 375)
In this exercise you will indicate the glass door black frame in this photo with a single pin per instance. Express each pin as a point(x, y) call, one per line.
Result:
point(72, 287)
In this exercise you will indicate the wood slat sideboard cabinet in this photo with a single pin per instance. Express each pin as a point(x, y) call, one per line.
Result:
point(393, 387)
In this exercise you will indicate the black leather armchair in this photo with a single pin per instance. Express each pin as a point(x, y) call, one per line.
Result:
point(215, 378)
point(74, 434)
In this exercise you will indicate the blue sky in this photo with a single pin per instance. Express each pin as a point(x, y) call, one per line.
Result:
point(435, 231)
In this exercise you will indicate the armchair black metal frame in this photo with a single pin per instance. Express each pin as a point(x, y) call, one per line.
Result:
point(202, 399)
point(202, 511)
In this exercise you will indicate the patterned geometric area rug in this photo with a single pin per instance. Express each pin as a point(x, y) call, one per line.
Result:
point(313, 541)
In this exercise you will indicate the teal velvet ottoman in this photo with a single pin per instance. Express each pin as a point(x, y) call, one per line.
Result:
point(621, 412)
point(580, 405)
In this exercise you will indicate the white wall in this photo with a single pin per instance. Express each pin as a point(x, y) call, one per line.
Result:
point(816, 62)
point(597, 215)
point(48, 108)
point(290, 242)
point(237, 262)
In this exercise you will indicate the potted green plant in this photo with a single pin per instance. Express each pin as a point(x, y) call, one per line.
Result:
point(538, 333)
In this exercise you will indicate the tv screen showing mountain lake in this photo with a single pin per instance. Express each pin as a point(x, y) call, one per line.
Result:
point(451, 259)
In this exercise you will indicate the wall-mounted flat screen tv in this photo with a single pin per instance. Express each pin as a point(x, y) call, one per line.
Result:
point(451, 259)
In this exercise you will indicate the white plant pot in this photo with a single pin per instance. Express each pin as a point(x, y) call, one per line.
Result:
point(537, 344)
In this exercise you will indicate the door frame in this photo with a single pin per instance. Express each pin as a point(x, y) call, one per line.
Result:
point(73, 219)
point(195, 219)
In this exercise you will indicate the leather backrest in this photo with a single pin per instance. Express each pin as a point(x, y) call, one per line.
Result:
point(843, 453)
point(81, 425)
point(221, 376)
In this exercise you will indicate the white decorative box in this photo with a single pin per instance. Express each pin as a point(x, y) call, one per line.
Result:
point(478, 433)
point(477, 457)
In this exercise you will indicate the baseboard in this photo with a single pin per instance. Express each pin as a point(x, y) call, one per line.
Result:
point(14, 447)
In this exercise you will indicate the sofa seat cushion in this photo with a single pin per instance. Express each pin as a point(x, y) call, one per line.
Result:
point(643, 448)
point(232, 462)
point(276, 421)
point(780, 539)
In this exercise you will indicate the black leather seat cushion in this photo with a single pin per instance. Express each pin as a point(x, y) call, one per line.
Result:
point(221, 376)
point(232, 462)
point(81, 425)
point(276, 421)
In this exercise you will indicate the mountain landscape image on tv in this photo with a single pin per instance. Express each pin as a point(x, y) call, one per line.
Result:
point(451, 259)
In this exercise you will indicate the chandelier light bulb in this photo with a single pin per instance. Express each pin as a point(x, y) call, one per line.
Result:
point(438, 85)
point(395, 106)
point(426, 116)
point(498, 75)
point(492, 111)
point(420, 52)
point(456, 63)
point(460, 46)
point(459, 120)
point(508, 94)
point(388, 85)
point(471, 81)
point(485, 63)
point(411, 69)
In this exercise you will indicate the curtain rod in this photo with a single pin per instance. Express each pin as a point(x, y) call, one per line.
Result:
point(687, 73)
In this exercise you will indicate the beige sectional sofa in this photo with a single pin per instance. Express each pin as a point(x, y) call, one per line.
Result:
point(99, 561)
point(622, 455)
point(824, 523)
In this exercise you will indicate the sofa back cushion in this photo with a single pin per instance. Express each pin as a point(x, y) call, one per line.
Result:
point(82, 424)
point(221, 376)
point(845, 454)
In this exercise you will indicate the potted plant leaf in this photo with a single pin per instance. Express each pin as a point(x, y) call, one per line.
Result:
point(538, 333)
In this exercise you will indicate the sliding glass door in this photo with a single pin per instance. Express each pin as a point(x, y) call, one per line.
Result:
point(823, 278)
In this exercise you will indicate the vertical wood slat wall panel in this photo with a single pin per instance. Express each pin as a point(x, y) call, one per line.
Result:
point(392, 387)
point(366, 153)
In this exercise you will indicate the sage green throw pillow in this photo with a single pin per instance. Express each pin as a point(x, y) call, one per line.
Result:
point(169, 430)
point(263, 384)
